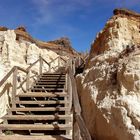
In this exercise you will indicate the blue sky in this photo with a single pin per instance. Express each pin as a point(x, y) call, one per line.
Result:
point(80, 20)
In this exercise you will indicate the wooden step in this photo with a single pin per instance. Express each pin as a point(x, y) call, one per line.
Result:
point(40, 102)
point(47, 89)
point(37, 117)
point(54, 73)
point(40, 94)
point(46, 75)
point(21, 137)
point(35, 127)
point(39, 109)
point(56, 85)
point(50, 83)
point(56, 77)
point(52, 78)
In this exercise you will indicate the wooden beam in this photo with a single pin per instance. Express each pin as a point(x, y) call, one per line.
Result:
point(14, 89)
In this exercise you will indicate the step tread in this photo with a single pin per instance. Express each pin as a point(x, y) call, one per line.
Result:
point(40, 102)
point(35, 126)
point(40, 109)
point(12, 137)
point(36, 117)
point(40, 94)
point(49, 88)
point(45, 75)
point(55, 85)
point(19, 137)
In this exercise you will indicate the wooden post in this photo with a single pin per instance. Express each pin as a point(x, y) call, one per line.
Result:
point(66, 83)
point(79, 61)
point(14, 90)
point(73, 66)
point(41, 64)
point(50, 68)
point(28, 80)
point(58, 61)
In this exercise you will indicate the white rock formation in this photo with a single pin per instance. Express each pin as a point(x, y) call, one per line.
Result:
point(109, 88)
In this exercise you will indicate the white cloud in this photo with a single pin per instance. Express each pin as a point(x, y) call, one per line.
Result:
point(51, 11)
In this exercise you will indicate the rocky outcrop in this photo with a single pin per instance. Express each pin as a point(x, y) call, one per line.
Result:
point(65, 42)
point(109, 87)
point(59, 45)
point(125, 12)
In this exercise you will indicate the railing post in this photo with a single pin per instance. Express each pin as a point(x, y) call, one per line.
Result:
point(58, 61)
point(41, 64)
point(50, 68)
point(72, 65)
point(28, 80)
point(14, 89)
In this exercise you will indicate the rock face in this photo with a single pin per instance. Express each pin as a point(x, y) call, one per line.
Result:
point(19, 52)
point(109, 88)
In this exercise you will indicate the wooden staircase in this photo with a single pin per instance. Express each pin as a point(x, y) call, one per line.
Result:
point(41, 111)
point(47, 110)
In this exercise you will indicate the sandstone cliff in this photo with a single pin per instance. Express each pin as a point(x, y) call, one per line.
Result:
point(109, 88)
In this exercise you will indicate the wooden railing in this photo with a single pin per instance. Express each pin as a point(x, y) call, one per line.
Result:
point(14, 72)
point(79, 128)
point(71, 88)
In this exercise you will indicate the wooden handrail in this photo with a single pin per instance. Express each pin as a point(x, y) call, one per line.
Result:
point(7, 76)
point(62, 59)
point(45, 61)
point(27, 71)
point(21, 69)
point(32, 65)
point(54, 60)
point(77, 108)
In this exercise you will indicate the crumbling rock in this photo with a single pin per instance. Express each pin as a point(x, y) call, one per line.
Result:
point(126, 12)
point(21, 28)
point(2, 28)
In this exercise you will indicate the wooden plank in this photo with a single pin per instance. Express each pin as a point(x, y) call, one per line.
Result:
point(76, 103)
point(39, 109)
point(40, 65)
point(54, 74)
point(21, 69)
point(14, 89)
point(42, 84)
point(32, 64)
point(7, 76)
point(21, 137)
point(40, 102)
point(40, 94)
point(48, 88)
point(84, 131)
point(77, 109)
point(63, 59)
point(35, 126)
point(37, 117)
point(54, 60)
point(52, 86)
point(45, 61)
point(52, 80)
point(28, 81)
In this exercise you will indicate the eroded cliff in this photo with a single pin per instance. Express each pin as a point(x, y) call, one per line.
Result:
point(109, 87)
